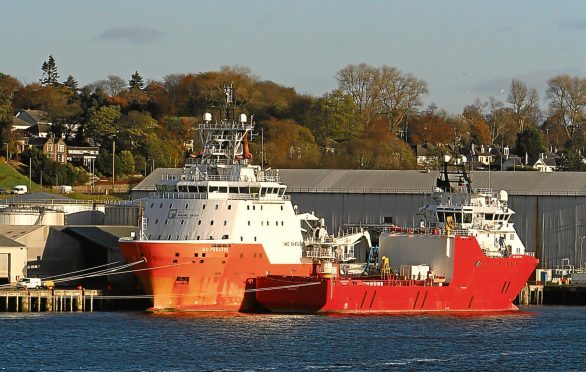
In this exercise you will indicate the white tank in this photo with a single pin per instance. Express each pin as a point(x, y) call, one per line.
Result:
point(243, 118)
point(207, 117)
point(31, 216)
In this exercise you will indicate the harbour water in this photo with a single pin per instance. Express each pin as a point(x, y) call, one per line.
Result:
point(535, 338)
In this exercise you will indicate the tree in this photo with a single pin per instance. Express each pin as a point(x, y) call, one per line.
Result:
point(50, 75)
point(360, 81)
point(132, 130)
point(101, 125)
point(525, 104)
point(399, 94)
point(529, 142)
point(126, 163)
point(136, 81)
point(477, 126)
point(72, 84)
point(567, 101)
point(339, 121)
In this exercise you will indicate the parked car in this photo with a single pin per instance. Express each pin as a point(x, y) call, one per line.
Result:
point(65, 189)
point(20, 189)
point(29, 283)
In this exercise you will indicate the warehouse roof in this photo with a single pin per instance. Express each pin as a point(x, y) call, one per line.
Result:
point(407, 181)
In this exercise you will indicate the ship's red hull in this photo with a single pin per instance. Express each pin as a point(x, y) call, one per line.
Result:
point(479, 283)
point(188, 276)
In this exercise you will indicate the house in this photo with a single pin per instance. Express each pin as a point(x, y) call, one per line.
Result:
point(545, 164)
point(82, 155)
point(512, 162)
point(25, 119)
point(54, 148)
point(425, 157)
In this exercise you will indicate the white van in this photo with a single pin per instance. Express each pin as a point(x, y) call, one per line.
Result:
point(28, 283)
point(20, 189)
point(65, 189)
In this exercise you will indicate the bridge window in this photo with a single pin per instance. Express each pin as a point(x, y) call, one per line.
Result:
point(223, 189)
point(233, 190)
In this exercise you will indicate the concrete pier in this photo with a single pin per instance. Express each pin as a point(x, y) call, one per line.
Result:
point(20, 300)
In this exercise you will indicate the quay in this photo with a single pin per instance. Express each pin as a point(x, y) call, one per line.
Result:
point(37, 300)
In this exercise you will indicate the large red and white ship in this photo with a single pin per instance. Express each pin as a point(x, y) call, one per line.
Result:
point(464, 256)
point(205, 236)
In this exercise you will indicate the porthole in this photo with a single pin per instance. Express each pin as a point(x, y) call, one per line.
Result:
point(203, 207)
point(212, 222)
point(156, 221)
point(199, 222)
point(216, 206)
point(161, 206)
point(186, 206)
point(225, 223)
point(229, 206)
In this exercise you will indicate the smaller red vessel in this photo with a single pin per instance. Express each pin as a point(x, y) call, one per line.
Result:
point(479, 283)
point(464, 256)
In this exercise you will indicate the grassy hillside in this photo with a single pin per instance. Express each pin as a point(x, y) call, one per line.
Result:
point(9, 177)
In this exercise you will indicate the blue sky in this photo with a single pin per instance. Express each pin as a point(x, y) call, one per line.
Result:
point(463, 49)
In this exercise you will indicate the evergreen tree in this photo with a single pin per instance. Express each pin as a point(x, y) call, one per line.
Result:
point(136, 81)
point(529, 142)
point(71, 83)
point(50, 75)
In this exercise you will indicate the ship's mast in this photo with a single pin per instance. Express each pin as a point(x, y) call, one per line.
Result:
point(225, 142)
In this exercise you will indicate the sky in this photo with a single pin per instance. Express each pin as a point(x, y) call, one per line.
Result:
point(464, 50)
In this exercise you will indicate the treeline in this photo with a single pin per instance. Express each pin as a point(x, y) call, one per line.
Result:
point(370, 120)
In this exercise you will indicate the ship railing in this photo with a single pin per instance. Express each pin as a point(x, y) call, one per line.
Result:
point(196, 195)
point(485, 191)
point(225, 125)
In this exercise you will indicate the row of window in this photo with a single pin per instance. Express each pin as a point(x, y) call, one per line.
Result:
point(466, 217)
point(248, 190)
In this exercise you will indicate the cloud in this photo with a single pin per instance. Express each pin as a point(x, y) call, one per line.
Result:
point(134, 34)
point(577, 25)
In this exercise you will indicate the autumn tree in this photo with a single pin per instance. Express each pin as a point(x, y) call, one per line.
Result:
point(361, 83)
point(477, 126)
point(524, 102)
point(382, 92)
point(399, 95)
point(567, 102)
point(290, 146)
point(50, 74)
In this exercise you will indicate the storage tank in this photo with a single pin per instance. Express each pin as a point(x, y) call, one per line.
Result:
point(31, 216)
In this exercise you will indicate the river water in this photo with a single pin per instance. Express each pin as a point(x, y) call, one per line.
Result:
point(535, 338)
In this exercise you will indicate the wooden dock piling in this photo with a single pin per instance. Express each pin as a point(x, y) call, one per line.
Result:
point(22, 300)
